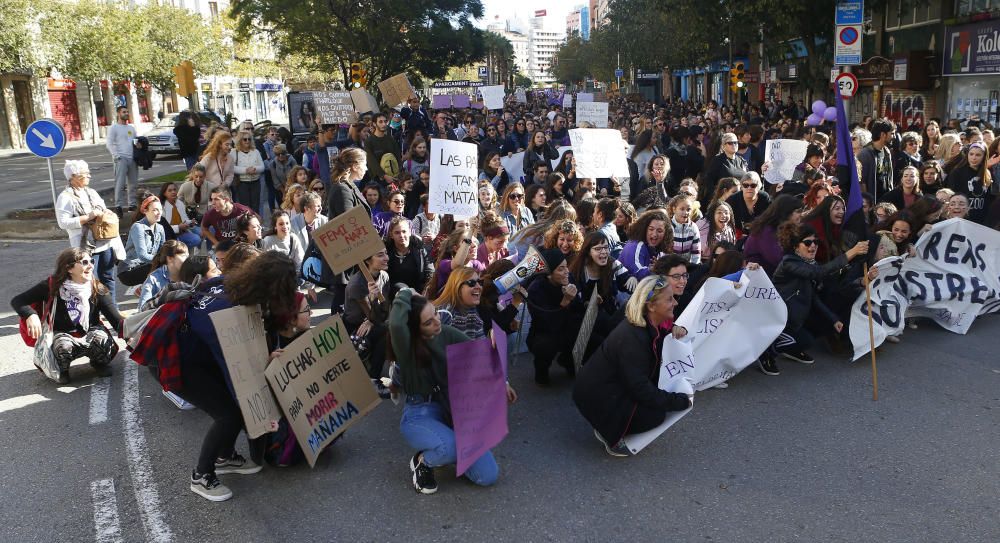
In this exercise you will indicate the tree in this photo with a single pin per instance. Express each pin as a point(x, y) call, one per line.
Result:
point(16, 51)
point(499, 58)
point(168, 36)
point(386, 36)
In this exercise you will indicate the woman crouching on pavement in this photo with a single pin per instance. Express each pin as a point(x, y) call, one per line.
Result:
point(78, 300)
point(420, 342)
point(617, 390)
point(268, 280)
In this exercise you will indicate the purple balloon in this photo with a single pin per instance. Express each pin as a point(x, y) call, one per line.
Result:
point(819, 107)
point(814, 120)
point(830, 114)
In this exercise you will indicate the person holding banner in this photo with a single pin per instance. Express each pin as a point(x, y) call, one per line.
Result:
point(539, 151)
point(494, 172)
point(419, 342)
point(797, 279)
point(594, 268)
point(556, 309)
point(269, 281)
point(617, 390)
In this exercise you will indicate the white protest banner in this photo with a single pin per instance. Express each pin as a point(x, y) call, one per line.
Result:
point(520, 96)
point(492, 96)
point(364, 102)
point(954, 278)
point(514, 165)
point(453, 189)
point(784, 156)
point(595, 113)
point(730, 325)
point(586, 329)
point(559, 153)
point(241, 334)
point(599, 152)
point(334, 107)
point(322, 386)
point(584, 97)
point(567, 101)
point(674, 353)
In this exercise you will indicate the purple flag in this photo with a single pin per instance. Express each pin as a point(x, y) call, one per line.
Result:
point(441, 101)
point(477, 391)
point(847, 174)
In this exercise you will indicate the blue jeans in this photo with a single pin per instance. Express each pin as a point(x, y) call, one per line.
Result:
point(104, 270)
point(423, 427)
point(190, 161)
point(126, 176)
point(191, 238)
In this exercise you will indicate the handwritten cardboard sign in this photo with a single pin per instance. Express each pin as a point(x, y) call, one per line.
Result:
point(241, 334)
point(322, 386)
point(396, 90)
point(454, 173)
point(334, 107)
point(599, 152)
point(348, 239)
point(784, 156)
point(364, 102)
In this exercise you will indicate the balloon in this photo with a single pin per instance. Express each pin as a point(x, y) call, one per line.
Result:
point(814, 120)
point(819, 107)
point(830, 114)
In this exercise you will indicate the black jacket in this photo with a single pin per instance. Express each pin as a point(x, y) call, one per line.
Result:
point(343, 197)
point(620, 376)
point(414, 269)
point(797, 282)
point(39, 294)
point(721, 166)
point(187, 139)
point(547, 317)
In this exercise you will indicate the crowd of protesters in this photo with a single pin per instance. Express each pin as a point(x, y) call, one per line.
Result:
point(695, 205)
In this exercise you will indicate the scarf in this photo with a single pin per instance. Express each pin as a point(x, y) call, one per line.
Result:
point(76, 296)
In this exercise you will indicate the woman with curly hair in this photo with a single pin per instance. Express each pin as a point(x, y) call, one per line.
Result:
point(649, 238)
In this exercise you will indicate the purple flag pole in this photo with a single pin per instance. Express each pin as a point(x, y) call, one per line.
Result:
point(847, 174)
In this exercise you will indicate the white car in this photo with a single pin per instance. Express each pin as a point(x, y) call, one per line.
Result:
point(161, 137)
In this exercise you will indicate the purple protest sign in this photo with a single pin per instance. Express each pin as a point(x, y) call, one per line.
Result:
point(460, 101)
point(477, 391)
point(441, 101)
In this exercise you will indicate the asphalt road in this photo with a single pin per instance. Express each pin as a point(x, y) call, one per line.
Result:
point(24, 180)
point(805, 456)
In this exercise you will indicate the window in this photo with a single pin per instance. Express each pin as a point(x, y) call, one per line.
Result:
point(969, 7)
point(213, 8)
point(904, 13)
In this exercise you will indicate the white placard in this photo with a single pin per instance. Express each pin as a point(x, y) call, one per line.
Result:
point(584, 97)
point(492, 96)
point(567, 101)
point(514, 164)
point(595, 113)
point(784, 156)
point(453, 183)
point(599, 153)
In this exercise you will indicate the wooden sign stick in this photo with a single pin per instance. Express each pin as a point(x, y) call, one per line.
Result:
point(871, 334)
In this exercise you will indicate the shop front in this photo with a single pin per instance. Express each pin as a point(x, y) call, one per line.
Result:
point(971, 65)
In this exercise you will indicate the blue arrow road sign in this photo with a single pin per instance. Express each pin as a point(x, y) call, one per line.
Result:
point(45, 138)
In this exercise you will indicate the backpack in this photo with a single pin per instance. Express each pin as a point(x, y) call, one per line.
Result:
point(40, 310)
point(315, 269)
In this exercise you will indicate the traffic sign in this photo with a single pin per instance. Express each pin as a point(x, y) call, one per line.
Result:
point(850, 12)
point(619, 72)
point(484, 71)
point(847, 49)
point(45, 138)
point(847, 84)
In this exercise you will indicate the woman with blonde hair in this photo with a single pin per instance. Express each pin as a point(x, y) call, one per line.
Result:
point(950, 147)
point(215, 159)
point(566, 236)
point(617, 390)
point(293, 195)
point(513, 210)
point(297, 176)
point(248, 166)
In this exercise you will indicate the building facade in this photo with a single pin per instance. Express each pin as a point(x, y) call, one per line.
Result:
point(543, 41)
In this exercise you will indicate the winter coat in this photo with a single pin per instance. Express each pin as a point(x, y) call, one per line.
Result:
point(797, 282)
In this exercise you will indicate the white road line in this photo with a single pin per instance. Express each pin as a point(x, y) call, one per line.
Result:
point(99, 401)
point(106, 523)
point(138, 461)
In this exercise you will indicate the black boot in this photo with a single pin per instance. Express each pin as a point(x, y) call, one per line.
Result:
point(542, 376)
point(566, 361)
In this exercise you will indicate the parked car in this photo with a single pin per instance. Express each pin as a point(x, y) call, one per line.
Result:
point(162, 139)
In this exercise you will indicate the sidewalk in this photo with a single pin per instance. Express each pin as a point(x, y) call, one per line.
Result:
point(18, 153)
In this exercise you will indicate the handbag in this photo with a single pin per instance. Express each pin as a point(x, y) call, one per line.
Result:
point(44, 357)
point(134, 324)
point(105, 227)
point(22, 326)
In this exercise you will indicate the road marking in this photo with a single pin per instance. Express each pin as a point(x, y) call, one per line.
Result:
point(99, 401)
point(138, 461)
point(105, 511)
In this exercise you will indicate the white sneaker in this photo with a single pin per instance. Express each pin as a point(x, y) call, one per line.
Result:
point(209, 487)
point(181, 403)
point(236, 464)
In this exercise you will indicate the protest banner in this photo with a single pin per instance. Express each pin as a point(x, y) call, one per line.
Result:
point(599, 152)
point(520, 96)
point(364, 102)
point(334, 107)
point(441, 101)
point(459, 101)
point(675, 353)
point(560, 152)
point(514, 165)
point(454, 173)
point(396, 90)
point(347, 239)
point(584, 97)
point(492, 96)
point(322, 386)
point(595, 113)
point(477, 392)
point(784, 156)
point(730, 325)
point(567, 101)
point(586, 329)
point(241, 334)
point(531, 264)
point(954, 278)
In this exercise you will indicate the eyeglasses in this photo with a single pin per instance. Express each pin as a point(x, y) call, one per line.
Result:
point(306, 310)
point(749, 185)
point(85, 262)
point(659, 285)
point(398, 201)
point(808, 242)
point(680, 276)
point(472, 283)
point(601, 249)
point(515, 196)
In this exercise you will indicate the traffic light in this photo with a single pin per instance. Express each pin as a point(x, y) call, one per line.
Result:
point(357, 74)
point(364, 77)
point(737, 77)
point(184, 78)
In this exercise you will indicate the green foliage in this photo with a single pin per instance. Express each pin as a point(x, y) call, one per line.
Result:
point(16, 52)
point(386, 36)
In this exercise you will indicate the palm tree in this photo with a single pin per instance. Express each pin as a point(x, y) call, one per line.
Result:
point(499, 59)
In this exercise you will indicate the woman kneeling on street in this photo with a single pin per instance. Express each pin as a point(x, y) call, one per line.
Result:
point(617, 390)
point(77, 300)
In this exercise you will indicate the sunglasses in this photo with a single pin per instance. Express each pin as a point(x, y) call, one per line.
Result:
point(749, 185)
point(245, 139)
point(472, 283)
point(660, 284)
point(808, 242)
point(729, 143)
point(515, 196)
point(398, 202)
point(85, 261)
